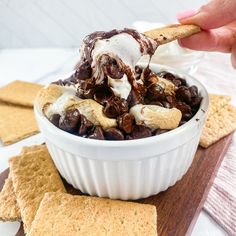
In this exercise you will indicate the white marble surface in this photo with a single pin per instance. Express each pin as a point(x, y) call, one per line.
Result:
point(43, 65)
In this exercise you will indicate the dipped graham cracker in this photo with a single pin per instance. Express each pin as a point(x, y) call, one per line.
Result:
point(33, 174)
point(19, 93)
point(16, 123)
point(64, 214)
point(221, 120)
point(9, 210)
point(172, 32)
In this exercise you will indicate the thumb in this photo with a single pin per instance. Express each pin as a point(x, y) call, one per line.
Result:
point(215, 14)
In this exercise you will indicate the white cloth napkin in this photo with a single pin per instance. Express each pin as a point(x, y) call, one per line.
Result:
point(218, 76)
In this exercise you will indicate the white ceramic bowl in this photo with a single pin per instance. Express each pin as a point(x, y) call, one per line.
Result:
point(126, 169)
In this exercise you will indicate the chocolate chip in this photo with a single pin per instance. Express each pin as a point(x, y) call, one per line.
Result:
point(185, 110)
point(183, 107)
point(155, 92)
point(167, 76)
point(194, 91)
point(177, 82)
point(140, 131)
point(183, 94)
point(196, 101)
point(85, 125)
point(103, 94)
point(125, 122)
point(69, 121)
point(115, 107)
point(97, 133)
point(183, 82)
point(55, 119)
point(187, 116)
point(114, 134)
point(171, 100)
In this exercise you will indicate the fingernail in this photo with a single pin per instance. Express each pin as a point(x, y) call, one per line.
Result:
point(186, 14)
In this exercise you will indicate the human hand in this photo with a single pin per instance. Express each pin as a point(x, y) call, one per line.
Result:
point(218, 22)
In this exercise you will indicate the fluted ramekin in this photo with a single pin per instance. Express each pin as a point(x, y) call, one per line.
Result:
point(130, 169)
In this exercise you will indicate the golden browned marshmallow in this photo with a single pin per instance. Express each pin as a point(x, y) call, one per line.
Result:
point(155, 117)
point(46, 96)
point(94, 113)
point(168, 86)
point(56, 99)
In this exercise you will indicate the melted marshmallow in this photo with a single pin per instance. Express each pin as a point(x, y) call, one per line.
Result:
point(120, 87)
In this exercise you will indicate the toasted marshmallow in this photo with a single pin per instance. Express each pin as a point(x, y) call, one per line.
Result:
point(156, 117)
point(57, 99)
point(120, 87)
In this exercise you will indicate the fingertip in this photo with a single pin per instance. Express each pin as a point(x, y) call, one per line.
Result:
point(203, 41)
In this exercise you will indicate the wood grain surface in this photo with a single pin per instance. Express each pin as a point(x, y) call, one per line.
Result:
point(179, 206)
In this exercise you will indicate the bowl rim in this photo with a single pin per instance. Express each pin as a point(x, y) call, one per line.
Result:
point(142, 141)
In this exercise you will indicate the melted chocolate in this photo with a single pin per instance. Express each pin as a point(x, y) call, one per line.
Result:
point(109, 66)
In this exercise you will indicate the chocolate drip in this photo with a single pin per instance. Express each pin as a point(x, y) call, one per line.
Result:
point(108, 65)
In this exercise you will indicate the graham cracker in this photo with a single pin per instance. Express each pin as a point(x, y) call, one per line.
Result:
point(33, 174)
point(9, 210)
point(172, 32)
point(33, 148)
point(221, 120)
point(19, 93)
point(64, 214)
point(16, 123)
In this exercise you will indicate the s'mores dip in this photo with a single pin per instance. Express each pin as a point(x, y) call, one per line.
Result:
point(111, 97)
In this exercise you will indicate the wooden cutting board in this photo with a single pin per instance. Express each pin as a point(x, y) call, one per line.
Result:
point(179, 206)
